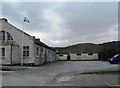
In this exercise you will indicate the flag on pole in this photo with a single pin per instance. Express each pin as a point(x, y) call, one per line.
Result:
point(26, 20)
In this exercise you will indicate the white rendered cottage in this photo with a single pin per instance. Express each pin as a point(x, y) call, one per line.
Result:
point(18, 47)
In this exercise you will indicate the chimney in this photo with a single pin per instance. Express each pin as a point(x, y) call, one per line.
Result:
point(5, 19)
point(38, 39)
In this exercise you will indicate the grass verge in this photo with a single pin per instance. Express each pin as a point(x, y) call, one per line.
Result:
point(103, 72)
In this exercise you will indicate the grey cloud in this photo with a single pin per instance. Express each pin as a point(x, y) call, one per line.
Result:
point(71, 22)
point(97, 19)
point(100, 15)
point(32, 10)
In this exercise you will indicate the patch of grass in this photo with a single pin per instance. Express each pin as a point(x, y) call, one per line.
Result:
point(103, 72)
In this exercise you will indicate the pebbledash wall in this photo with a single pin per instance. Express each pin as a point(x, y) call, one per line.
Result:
point(18, 47)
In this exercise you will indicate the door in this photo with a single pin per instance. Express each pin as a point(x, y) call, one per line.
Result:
point(45, 57)
point(68, 57)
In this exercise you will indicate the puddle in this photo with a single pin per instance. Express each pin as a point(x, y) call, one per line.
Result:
point(6, 71)
point(65, 78)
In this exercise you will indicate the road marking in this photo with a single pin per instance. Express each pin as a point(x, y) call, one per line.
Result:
point(111, 85)
point(106, 83)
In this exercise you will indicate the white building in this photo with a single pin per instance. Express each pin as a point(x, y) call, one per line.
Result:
point(83, 56)
point(62, 56)
point(18, 47)
point(78, 56)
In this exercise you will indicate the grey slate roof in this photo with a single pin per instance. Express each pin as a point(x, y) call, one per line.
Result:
point(42, 44)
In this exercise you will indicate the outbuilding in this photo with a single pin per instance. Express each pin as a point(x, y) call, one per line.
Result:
point(62, 56)
point(83, 56)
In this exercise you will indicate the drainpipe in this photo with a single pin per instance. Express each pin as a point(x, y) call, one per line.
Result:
point(11, 55)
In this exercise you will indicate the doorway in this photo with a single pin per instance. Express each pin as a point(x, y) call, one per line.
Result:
point(68, 57)
point(45, 57)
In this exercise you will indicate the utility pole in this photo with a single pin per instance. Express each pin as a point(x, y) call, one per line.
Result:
point(11, 56)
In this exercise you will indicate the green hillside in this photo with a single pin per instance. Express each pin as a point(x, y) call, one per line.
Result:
point(105, 50)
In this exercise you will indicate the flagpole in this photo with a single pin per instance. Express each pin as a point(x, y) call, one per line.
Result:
point(22, 45)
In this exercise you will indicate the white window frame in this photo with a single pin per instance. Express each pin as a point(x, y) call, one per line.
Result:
point(26, 52)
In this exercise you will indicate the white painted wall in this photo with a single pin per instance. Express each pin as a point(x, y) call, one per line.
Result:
point(50, 56)
point(83, 56)
point(18, 38)
point(22, 39)
point(64, 57)
point(38, 55)
point(7, 58)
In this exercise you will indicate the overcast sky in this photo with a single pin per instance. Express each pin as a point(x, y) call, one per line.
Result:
point(65, 23)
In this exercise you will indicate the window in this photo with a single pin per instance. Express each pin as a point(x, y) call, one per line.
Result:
point(3, 52)
point(78, 54)
point(2, 35)
point(90, 54)
point(25, 51)
point(37, 51)
point(42, 50)
point(9, 37)
point(60, 55)
point(45, 51)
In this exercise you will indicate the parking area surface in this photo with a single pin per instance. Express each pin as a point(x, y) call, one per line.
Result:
point(63, 73)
